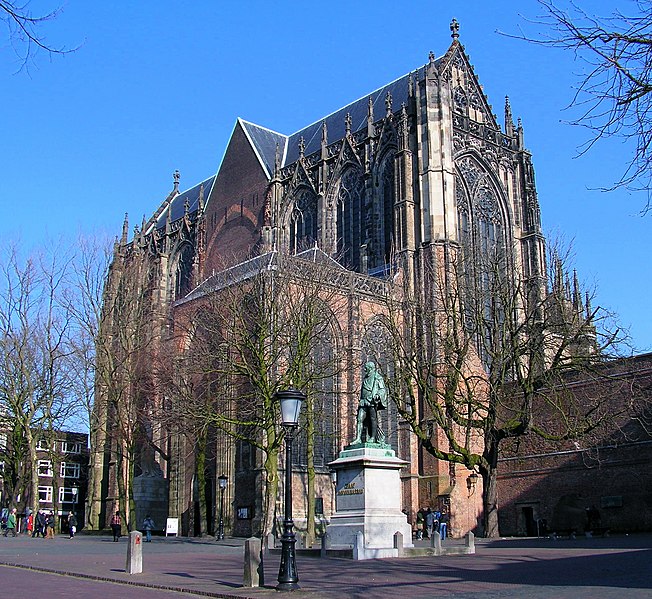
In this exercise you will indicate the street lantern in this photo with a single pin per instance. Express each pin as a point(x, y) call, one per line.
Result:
point(471, 482)
point(222, 481)
point(291, 401)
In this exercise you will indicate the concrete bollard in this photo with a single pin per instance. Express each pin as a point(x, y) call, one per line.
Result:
point(435, 542)
point(135, 553)
point(398, 543)
point(271, 540)
point(254, 575)
point(358, 547)
point(470, 542)
point(325, 544)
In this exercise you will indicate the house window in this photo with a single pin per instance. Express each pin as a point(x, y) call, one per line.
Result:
point(44, 468)
point(68, 494)
point(69, 470)
point(43, 445)
point(45, 494)
point(70, 447)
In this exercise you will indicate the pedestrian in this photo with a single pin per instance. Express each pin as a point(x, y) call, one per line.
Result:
point(420, 518)
point(49, 526)
point(116, 526)
point(430, 523)
point(11, 523)
point(148, 526)
point(72, 524)
point(30, 524)
point(39, 524)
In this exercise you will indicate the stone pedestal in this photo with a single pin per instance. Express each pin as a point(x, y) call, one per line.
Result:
point(368, 501)
point(151, 497)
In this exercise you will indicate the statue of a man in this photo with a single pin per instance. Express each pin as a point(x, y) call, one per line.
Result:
point(373, 397)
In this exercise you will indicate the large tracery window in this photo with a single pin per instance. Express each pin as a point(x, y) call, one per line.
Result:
point(484, 259)
point(349, 210)
point(303, 222)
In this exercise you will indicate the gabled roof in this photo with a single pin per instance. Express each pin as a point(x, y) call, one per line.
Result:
point(264, 142)
point(253, 267)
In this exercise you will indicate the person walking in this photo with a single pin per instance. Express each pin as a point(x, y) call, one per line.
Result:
point(72, 524)
point(430, 523)
point(116, 526)
point(11, 523)
point(39, 524)
point(30, 524)
point(49, 526)
point(148, 526)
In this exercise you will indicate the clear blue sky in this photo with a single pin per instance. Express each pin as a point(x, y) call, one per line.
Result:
point(157, 86)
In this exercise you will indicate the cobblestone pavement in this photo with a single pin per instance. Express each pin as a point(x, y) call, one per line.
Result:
point(90, 566)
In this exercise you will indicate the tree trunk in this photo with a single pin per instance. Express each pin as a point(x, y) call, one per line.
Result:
point(96, 470)
point(310, 449)
point(271, 489)
point(201, 482)
point(489, 488)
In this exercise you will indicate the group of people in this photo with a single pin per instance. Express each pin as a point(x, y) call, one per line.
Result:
point(42, 524)
point(430, 521)
point(116, 527)
point(36, 524)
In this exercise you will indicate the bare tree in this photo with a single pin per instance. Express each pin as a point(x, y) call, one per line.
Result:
point(482, 357)
point(23, 30)
point(35, 373)
point(254, 332)
point(613, 93)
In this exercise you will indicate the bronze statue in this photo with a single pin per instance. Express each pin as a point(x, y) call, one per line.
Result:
point(373, 397)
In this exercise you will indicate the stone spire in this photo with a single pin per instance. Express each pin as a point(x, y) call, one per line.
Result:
point(348, 123)
point(125, 230)
point(509, 120)
point(176, 176)
point(302, 147)
point(388, 104)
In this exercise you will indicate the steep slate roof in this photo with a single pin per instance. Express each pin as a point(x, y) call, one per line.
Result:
point(178, 203)
point(335, 123)
point(264, 140)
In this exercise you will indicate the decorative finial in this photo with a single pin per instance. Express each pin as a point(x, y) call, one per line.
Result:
point(431, 57)
point(348, 122)
point(410, 85)
point(176, 176)
point(324, 133)
point(302, 146)
point(186, 207)
point(455, 29)
point(388, 104)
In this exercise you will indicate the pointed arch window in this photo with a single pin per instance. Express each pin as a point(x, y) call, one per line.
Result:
point(304, 221)
point(381, 227)
point(349, 211)
point(482, 234)
point(183, 270)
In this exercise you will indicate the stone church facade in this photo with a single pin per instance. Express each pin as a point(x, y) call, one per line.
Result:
point(396, 179)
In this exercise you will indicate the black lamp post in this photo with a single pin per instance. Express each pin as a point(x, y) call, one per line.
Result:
point(291, 401)
point(222, 480)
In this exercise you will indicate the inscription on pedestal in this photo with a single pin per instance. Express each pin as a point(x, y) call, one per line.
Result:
point(350, 495)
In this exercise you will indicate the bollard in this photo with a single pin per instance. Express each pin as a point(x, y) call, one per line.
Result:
point(398, 543)
point(325, 544)
point(135, 553)
point(435, 542)
point(358, 547)
point(470, 542)
point(253, 564)
point(271, 540)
